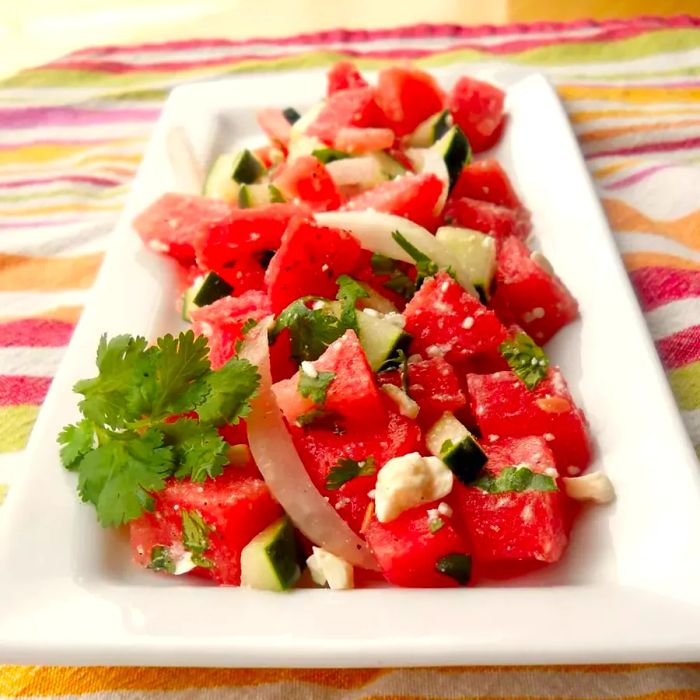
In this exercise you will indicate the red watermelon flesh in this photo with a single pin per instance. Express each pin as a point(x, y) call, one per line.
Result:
point(486, 181)
point(529, 294)
point(308, 263)
point(412, 197)
point(504, 406)
point(514, 525)
point(320, 447)
point(273, 122)
point(499, 222)
point(408, 552)
point(306, 179)
point(352, 396)
point(446, 320)
point(171, 224)
point(235, 506)
point(344, 75)
point(352, 139)
point(433, 385)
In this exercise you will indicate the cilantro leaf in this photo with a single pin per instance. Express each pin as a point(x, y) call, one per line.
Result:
point(315, 388)
point(195, 537)
point(381, 264)
point(425, 267)
point(230, 389)
point(398, 281)
point(527, 359)
point(518, 479)
point(435, 525)
point(245, 329)
point(311, 330)
point(161, 559)
point(349, 291)
point(77, 441)
point(347, 469)
point(200, 452)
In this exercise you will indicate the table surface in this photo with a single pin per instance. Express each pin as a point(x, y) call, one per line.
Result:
point(34, 31)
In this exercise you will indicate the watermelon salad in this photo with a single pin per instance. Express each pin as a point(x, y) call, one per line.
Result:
point(363, 392)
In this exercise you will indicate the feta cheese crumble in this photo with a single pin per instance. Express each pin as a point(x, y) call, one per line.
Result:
point(327, 568)
point(594, 487)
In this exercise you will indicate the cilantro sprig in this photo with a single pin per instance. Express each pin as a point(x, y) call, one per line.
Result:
point(195, 537)
point(398, 281)
point(527, 359)
point(315, 387)
point(518, 479)
point(349, 291)
point(347, 469)
point(131, 440)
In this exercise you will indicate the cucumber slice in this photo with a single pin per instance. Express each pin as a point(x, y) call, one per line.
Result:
point(388, 166)
point(246, 168)
point(188, 298)
point(328, 155)
point(455, 150)
point(304, 122)
point(380, 339)
point(212, 288)
point(219, 184)
point(291, 115)
point(375, 301)
point(475, 250)
point(269, 562)
point(303, 146)
point(430, 130)
point(258, 195)
point(449, 440)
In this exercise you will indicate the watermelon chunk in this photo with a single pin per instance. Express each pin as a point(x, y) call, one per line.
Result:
point(236, 508)
point(504, 406)
point(305, 178)
point(529, 294)
point(412, 197)
point(408, 551)
point(433, 385)
point(171, 224)
point(320, 448)
point(308, 262)
point(352, 396)
point(521, 525)
point(499, 222)
point(273, 122)
point(352, 139)
point(446, 320)
point(344, 75)
point(486, 181)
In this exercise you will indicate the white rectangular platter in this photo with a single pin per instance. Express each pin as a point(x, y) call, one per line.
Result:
point(628, 588)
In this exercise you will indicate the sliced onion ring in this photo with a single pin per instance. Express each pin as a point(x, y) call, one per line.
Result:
point(363, 170)
point(284, 472)
point(428, 160)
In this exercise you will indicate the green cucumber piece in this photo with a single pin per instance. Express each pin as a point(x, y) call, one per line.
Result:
point(430, 130)
point(258, 195)
point(246, 168)
point(276, 197)
point(375, 301)
point(456, 566)
point(449, 440)
point(328, 155)
point(291, 115)
point(455, 149)
point(388, 166)
point(188, 298)
point(212, 288)
point(380, 339)
point(219, 183)
point(475, 250)
point(270, 561)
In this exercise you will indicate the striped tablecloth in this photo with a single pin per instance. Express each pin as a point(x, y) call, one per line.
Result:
point(71, 136)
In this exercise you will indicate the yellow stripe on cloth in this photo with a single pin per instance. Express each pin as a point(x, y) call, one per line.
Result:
point(16, 424)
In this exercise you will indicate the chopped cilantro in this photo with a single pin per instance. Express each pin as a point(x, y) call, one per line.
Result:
point(127, 445)
point(527, 359)
point(349, 291)
point(315, 388)
point(517, 479)
point(381, 264)
point(398, 281)
point(456, 566)
point(161, 559)
point(425, 267)
point(347, 469)
point(435, 525)
point(195, 537)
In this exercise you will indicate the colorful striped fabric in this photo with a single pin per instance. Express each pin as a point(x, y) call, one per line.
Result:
point(71, 137)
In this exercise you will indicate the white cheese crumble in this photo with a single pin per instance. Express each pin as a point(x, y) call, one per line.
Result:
point(407, 406)
point(548, 437)
point(395, 318)
point(551, 471)
point(493, 438)
point(407, 481)
point(327, 568)
point(184, 564)
point(325, 267)
point(371, 312)
point(445, 509)
point(318, 304)
point(309, 370)
point(444, 287)
point(159, 247)
point(594, 487)
point(467, 323)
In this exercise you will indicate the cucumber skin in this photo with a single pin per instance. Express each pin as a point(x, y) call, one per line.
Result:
point(465, 460)
point(213, 288)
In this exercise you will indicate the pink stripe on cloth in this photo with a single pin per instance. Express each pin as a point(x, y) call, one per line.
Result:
point(681, 348)
point(636, 177)
point(660, 285)
point(31, 117)
point(86, 179)
point(35, 332)
point(659, 147)
point(23, 389)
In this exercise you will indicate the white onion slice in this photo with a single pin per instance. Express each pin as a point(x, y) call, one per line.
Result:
point(373, 229)
point(428, 160)
point(363, 171)
point(189, 174)
point(284, 472)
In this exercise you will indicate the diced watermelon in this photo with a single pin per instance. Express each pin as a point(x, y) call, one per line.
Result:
point(350, 107)
point(530, 295)
point(344, 75)
point(172, 222)
point(412, 197)
point(320, 447)
point(407, 96)
point(268, 155)
point(352, 139)
point(445, 320)
point(520, 525)
point(352, 396)
point(273, 122)
point(408, 552)
point(486, 181)
point(504, 406)
point(433, 385)
point(309, 261)
point(499, 222)
point(477, 107)
point(221, 322)
point(305, 178)
point(243, 235)
point(234, 506)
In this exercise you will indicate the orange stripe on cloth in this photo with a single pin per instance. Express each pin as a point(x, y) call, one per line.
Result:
point(626, 219)
point(601, 134)
point(595, 114)
point(635, 261)
point(36, 273)
point(69, 314)
point(616, 167)
point(629, 93)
